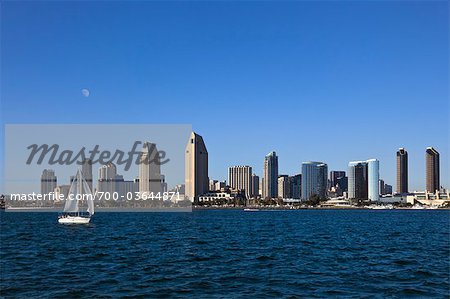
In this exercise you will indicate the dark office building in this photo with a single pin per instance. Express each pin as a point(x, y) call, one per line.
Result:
point(358, 180)
point(295, 183)
point(381, 187)
point(342, 183)
point(432, 169)
point(334, 175)
point(402, 171)
point(388, 189)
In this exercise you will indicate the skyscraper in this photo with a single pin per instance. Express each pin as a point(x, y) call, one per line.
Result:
point(402, 171)
point(283, 187)
point(86, 170)
point(363, 180)
point(270, 176)
point(357, 180)
point(255, 185)
point(432, 169)
point(342, 183)
point(314, 179)
point(149, 170)
point(212, 185)
point(196, 167)
point(381, 187)
point(107, 178)
point(373, 178)
point(322, 180)
point(239, 178)
point(295, 186)
point(48, 181)
point(387, 189)
point(334, 176)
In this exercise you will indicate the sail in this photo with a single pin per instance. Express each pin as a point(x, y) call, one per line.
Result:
point(79, 190)
point(71, 205)
point(89, 197)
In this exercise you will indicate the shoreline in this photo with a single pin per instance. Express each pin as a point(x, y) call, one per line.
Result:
point(310, 208)
point(196, 208)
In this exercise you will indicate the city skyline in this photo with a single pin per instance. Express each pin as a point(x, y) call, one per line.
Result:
point(242, 177)
point(200, 149)
point(211, 70)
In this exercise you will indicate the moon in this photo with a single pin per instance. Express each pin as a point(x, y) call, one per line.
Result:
point(85, 92)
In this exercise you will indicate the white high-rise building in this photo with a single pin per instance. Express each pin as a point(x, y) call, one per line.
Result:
point(314, 179)
point(284, 187)
point(196, 167)
point(220, 185)
point(363, 180)
point(107, 175)
point(149, 170)
point(373, 179)
point(240, 178)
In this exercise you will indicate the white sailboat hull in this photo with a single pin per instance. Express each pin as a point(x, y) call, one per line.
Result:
point(74, 220)
point(71, 211)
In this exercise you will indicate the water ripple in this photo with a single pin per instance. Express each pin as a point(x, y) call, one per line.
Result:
point(210, 254)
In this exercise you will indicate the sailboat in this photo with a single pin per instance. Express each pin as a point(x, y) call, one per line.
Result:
point(71, 213)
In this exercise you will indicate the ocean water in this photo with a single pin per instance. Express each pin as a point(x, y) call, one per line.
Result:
point(228, 253)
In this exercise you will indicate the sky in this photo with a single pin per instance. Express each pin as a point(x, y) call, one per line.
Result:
point(331, 81)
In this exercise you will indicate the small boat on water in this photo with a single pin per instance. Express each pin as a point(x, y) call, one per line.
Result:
point(417, 207)
point(251, 210)
point(79, 192)
point(381, 207)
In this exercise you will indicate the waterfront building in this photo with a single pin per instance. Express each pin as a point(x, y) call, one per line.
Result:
point(402, 171)
point(363, 180)
point(270, 176)
point(48, 181)
point(261, 187)
point(149, 170)
point(212, 185)
point(381, 187)
point(388, 189)
point(283, 186)
point(126, 189)
point(107, 178)
point(373, 178)
point(342, 184)
point(314, 179)
point(220, 185)
point(322, 180)
point(334, 176)
point(240, 178)
point(255, 186)
point(295, 186)
point(62, 191)
point(234, 198)
point(437, 198)
point(216, 197)
point(432, 170)
point(357, 180)
point(196, 167)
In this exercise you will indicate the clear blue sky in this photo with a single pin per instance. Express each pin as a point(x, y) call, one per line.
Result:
point(329, 81)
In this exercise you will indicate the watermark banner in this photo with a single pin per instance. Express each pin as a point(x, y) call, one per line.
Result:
point(114, 167)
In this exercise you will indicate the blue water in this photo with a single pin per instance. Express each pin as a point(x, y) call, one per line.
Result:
point(308, 253)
